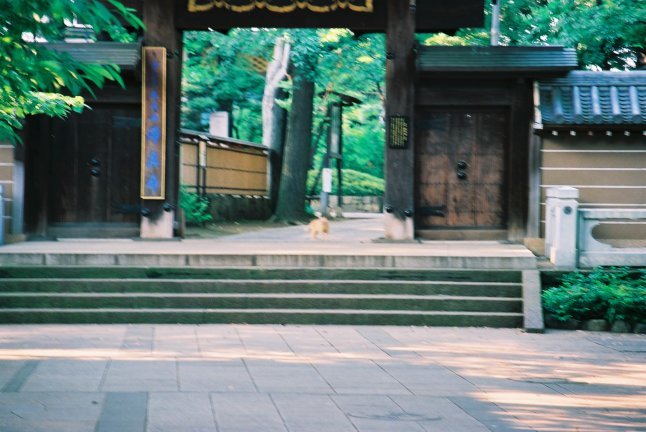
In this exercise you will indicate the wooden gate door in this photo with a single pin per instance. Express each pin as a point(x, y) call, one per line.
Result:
point(94, 172)
point(460, 173)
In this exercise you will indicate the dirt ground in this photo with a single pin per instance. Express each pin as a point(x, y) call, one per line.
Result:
point(226, 228)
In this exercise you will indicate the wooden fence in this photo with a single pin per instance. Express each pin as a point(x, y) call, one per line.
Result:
point(227, 166)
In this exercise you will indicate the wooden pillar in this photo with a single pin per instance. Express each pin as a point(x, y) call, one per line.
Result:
point(518, 181)
point(159, 18)
point(400, 145)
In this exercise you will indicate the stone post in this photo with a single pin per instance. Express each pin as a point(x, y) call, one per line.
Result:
point(561, 226)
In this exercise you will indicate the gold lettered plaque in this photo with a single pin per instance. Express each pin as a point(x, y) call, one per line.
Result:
point(153, 123)
point(398, 127)
point(281, 6)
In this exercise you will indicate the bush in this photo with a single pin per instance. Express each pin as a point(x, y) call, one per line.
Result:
point(355, 183)
point(605, 293)
point(196, 207)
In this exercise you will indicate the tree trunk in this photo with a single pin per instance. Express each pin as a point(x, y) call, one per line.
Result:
point(279, 127)
point(291, 196)
point(276, 72)
point(274, 116)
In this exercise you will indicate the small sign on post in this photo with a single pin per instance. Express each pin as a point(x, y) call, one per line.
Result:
point(398, 127)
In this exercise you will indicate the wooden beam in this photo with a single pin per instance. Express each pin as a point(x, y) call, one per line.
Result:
point(159, 18)
point(518, 161)
point(400, 145)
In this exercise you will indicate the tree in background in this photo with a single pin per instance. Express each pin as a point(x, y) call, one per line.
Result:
point(307, 47)
point(607, 34)
point(326, 63)
point(220, 74)
point(37, 80)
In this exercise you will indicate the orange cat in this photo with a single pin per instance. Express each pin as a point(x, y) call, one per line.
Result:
point(319, 226)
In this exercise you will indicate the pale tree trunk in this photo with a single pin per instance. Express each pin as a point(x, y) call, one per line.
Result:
point(273, 116)
point(276, 72)
point(291, 196)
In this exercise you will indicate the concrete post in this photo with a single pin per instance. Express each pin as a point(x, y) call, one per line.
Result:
point(561, 226)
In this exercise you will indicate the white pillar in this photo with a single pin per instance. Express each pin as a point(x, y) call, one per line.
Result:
point(561, 226)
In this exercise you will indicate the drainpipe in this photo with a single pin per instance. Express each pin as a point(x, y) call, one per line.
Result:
point(495, 22)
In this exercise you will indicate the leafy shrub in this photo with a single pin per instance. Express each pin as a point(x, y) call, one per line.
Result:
point(355, 183)
point(609, 293)
point(196, 207)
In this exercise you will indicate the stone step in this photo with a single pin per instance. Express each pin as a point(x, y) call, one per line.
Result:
point(262, 295)
point(166, 259)
point(85, 272)
point(259, 301)
point(489, 289)
point(261, 316)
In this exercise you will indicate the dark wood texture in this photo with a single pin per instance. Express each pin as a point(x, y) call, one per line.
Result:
point(499, 207)
point(518, 205)
point(461, 167)
point(159, 18)
point(400, 81)
point(432, 16)
point(461, 93)
point(296, 159)
point(84, 169)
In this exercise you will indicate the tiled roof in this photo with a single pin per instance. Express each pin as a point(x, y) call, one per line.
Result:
point(527, 59)
point(125, 55)
point(594, 98)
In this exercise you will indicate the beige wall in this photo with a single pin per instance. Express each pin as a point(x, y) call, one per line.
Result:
point(229, 171)
point(609, 171)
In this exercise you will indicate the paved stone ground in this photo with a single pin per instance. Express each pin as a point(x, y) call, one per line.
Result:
point(358, 232)
point(239, 378)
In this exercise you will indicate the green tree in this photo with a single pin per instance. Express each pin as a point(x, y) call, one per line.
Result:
point(37, 80)
point(224, 72)
point(607, 34)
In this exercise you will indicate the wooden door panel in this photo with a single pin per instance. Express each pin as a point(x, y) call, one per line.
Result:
point(461, 166)
point(124, 164)
point(460, 208)
point(96, 168)
point(435, 168)
point(435, 132)
point(62, 169)
point(463, 133)
point(489, 206)
point(93, 151)
point(489, 169)
point(432, 194)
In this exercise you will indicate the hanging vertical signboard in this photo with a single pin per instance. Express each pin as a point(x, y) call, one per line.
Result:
point(153, 123)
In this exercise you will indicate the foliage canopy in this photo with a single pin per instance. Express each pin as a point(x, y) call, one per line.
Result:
point(38, 80)
point(607, 34)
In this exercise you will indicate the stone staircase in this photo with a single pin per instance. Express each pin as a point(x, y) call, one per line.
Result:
point(258, 295)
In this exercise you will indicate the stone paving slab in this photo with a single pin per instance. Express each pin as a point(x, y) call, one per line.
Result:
point(242, 378)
